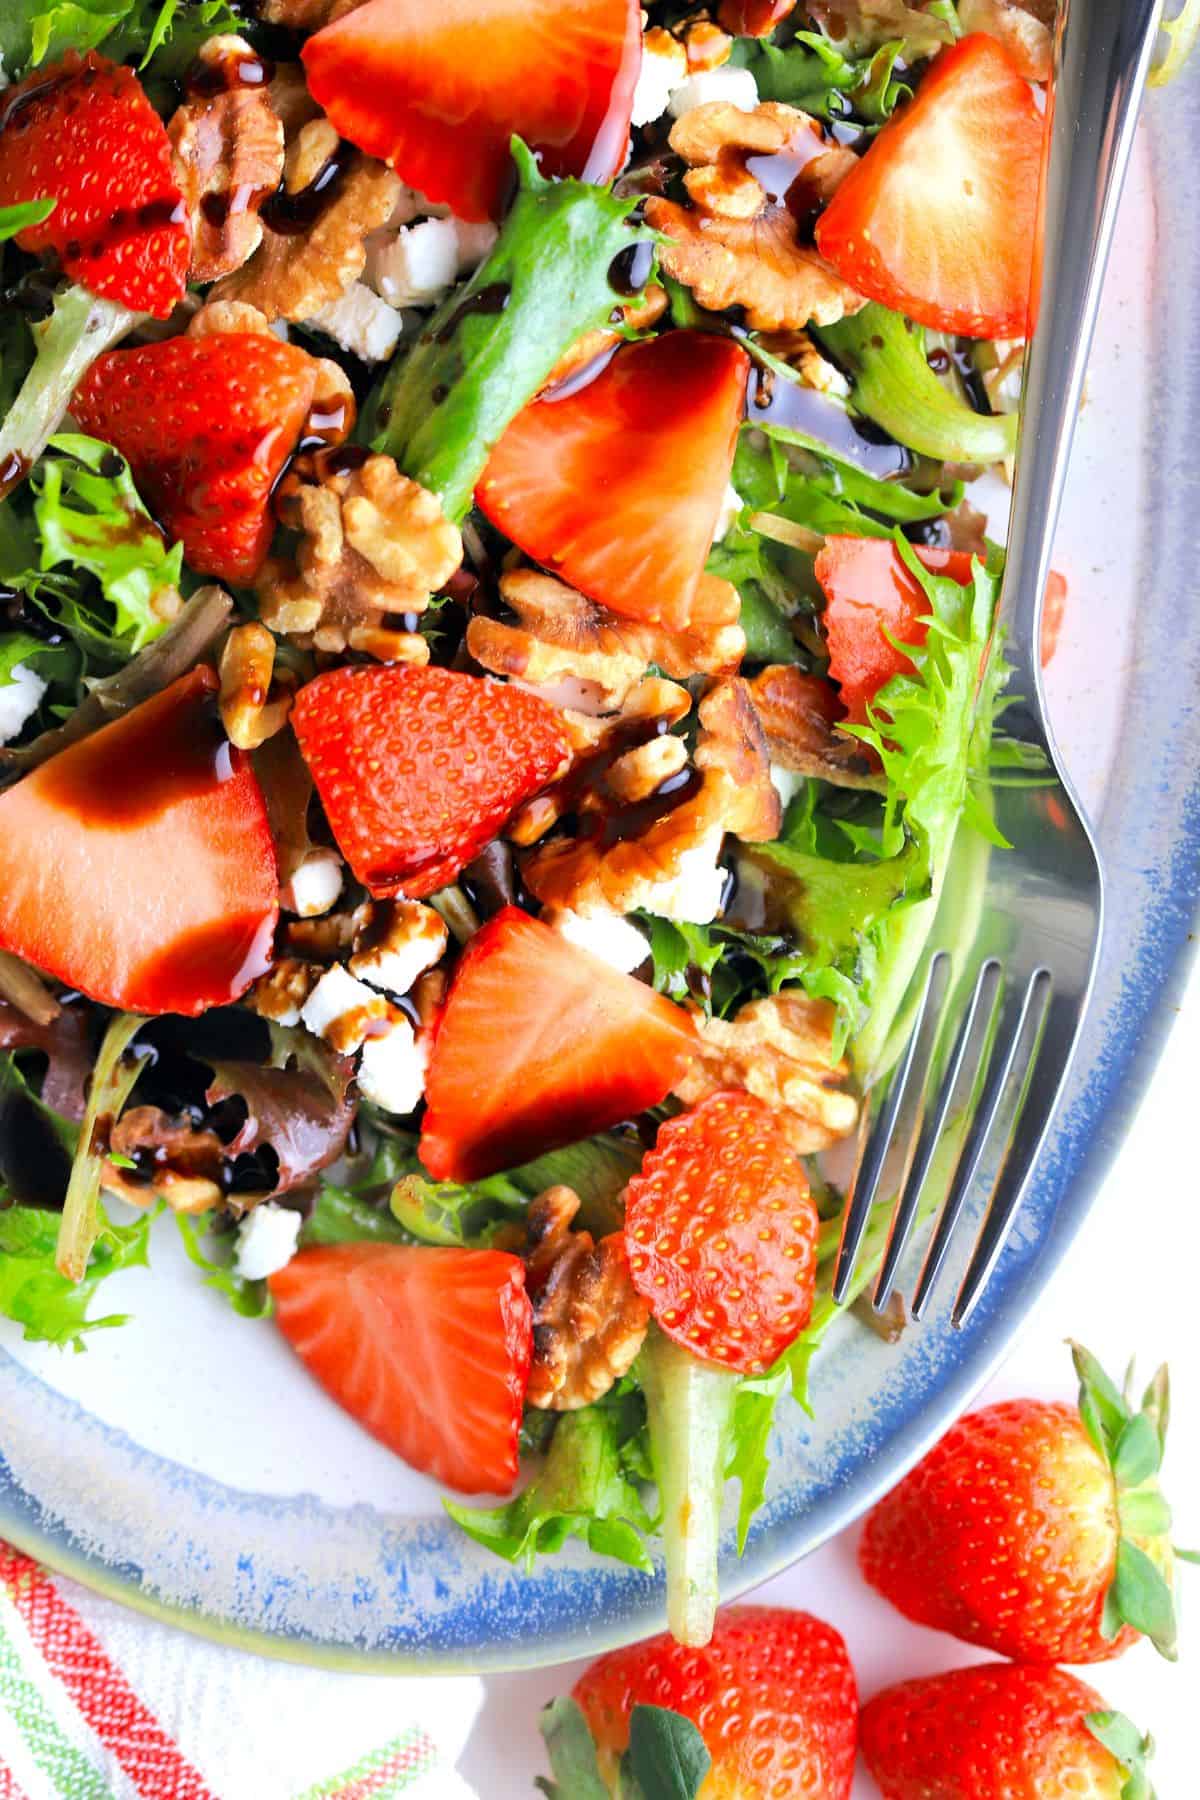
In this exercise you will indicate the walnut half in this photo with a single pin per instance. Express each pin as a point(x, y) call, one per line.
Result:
point(373, 543)
point(738, 246)
point(780, 1050)
point(227, 152)
point(589, 1321)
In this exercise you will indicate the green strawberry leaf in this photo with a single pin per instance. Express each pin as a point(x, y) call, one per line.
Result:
point(1143, 1599)
point(572, 1754)
point(1101, 1406)
point(666, 1755)
point(1156, 1403)
point(1145, 1514)
point(1121, 1737)
point(1138, 1452)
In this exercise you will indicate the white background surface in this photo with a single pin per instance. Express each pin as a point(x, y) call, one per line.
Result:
point(1131, 1285)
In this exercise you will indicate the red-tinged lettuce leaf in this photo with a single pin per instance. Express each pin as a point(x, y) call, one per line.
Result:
point(65, 1044)
point(298, 1106)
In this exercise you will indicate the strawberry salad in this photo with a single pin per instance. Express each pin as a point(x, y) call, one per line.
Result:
point(495, 655)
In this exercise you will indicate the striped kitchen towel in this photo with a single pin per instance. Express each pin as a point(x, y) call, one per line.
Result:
point(98, 1703)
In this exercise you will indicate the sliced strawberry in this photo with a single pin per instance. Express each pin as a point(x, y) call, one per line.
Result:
point(83, 133)
point(753, 18)
point(428, 1349)
point(871, 598)
point(206, 423)
point(541, 1044)
point(418, 769)
point(618, 486)
point(772, 1694)
point(939, 218)
point(137, 864)
point(722, 1233)
point(440, 91)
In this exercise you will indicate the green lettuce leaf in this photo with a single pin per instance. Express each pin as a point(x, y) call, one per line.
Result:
point(822, 79)
point(82, 1221)
point(166, 33)
point(340, 1216)
point(444, 1212)
point(90, 516)
point(249, 1299)
point(26, 212)
point(51, 1308)
point(586, 1488)
point(442, 407)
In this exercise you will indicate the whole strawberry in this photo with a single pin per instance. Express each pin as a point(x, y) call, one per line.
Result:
point(1037, 1530)
point(1002, 1732)
point(767, 1711)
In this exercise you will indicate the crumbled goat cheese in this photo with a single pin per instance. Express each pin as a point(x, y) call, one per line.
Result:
point(417, 266)
point(342, 1010)
point(361, 322)
point(787, 783)
point(314, 886)
point(693, 897)
point(266, 1241)
point(607, 935)
point(736, 87)
point(19, 700)
point(731, 505)
point(415, 940)
point(663, 69)
point(391, 1072)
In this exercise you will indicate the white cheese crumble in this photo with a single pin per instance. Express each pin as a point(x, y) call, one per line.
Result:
point(341, 1010)
point(663, 68)
point(417, 266)
point(736, 87)
point(607, 935)
point(361, 322)
point(19, 700)
point(693, 897)
point(391, 1072)
point(787, 783)
point(731, 506)
point(266, 1241)
point(314, 886)
point(415, 941)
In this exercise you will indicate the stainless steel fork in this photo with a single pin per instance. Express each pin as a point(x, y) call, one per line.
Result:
point(968, 1109)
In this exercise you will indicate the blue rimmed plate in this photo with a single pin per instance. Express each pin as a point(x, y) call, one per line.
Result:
point(187, 1466)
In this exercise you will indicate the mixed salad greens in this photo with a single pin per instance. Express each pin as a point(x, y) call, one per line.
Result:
point(496, 659)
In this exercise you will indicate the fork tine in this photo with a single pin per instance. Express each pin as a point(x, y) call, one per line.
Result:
point(970, 1156)
point(899, 1119)
point(961, 1076)
point(1020, 1150)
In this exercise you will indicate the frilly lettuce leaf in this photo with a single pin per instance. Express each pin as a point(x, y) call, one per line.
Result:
point(215, 1259)
point(586, 1488)
point(166, 33)
point(90, 516)
point(1183, 35)
point(51, 1308)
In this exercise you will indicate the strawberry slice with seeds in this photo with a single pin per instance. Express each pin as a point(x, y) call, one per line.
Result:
point(440, 92)
point(137, 864)
point(772, 1694)
point(541, 1044)
point(207, 424)
point(722, 1233)
point(617, 487)
point(418, 769)
point(873, 603)
point(940, 217)
point(429, 1349)
point(82, 132)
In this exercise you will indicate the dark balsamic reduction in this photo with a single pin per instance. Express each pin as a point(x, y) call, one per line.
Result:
point(16, 110)
point(288, 215)
point(13, 470)
point(127, 223)
point(774, 400)
point(328, 426)
point(231, 953)
point(490, 301)
point(629, 270)
point(581, 377)
point(236, 68)
point(153, 758)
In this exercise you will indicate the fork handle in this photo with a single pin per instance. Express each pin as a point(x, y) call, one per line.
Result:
point(1102, 57)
